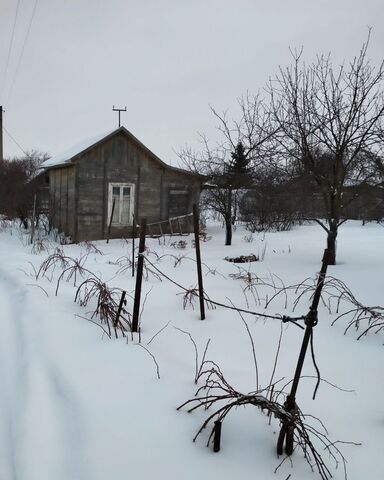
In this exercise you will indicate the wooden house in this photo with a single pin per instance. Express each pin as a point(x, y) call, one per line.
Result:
point(115, 169)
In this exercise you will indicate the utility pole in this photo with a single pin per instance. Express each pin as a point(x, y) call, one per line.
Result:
point(119, 110)
point(1, 134)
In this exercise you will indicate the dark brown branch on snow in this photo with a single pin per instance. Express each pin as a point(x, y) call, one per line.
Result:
point(219, 393)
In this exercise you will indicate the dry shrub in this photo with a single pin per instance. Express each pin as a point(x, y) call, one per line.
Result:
point(57, 260)
point(191, 295)
point(181, 244)
point(107, 299)
point(40, 245)
point(360, 317)
point(125, 265)
point(107, 305)
point(71, 267)
point(217, 392)
point(335, 295)
point(91, 247)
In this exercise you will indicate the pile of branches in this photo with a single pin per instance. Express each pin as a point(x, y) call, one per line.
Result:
point(243, 259)
point(217, 392)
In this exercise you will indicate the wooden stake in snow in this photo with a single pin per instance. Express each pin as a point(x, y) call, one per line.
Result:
point(198, 260)
point(33, 219)
point(287, 429)
point(110, 220)
point(133, 244)
point(139, 276)
point(121, 304)
point(217, 436)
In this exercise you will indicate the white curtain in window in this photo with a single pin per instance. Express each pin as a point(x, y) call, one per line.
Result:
point(122, 194)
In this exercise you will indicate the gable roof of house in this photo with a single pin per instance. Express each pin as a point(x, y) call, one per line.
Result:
point(69, 156)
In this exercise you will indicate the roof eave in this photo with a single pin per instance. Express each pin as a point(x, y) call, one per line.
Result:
point(70, 161)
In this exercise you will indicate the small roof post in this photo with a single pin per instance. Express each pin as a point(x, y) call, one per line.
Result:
point(119, 110)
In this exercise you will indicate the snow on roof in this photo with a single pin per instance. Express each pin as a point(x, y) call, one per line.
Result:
point(67, 155)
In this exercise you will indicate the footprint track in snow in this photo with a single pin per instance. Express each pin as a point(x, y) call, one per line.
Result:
point(41, 431)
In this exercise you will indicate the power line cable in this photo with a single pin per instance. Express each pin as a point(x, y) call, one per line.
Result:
point(10, 49)
point(22, 51)
point(15, 142)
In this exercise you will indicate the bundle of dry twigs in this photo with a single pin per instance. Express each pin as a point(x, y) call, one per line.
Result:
point(217, 392)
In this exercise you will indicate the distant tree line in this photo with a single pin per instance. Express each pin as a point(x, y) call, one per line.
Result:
point(18, 186)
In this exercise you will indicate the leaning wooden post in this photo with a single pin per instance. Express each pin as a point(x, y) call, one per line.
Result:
point(121, 304)
point(133, 244)
point(139, 276)
point(217, 436)
point(287, 429)
point(198, 260)
point(110, 220)
point(33, 219)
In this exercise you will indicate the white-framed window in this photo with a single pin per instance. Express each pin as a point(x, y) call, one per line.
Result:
point(123, 194)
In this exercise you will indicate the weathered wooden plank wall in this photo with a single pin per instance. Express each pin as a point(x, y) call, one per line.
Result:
point(80, 192)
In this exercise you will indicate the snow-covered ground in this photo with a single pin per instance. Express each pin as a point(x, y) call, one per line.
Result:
point(75, 404)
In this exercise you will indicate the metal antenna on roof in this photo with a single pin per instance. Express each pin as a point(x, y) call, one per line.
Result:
point(119, 110)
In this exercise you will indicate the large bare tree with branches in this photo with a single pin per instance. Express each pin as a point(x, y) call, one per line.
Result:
point(230, 163)
point(327, 117)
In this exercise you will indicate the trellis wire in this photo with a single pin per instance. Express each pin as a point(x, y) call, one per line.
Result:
point(282, 318)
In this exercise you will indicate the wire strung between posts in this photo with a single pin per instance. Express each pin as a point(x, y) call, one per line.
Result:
point(315, 366)
point(16, 143)
point(283, 318)
point(10, 49)
point(22, 52)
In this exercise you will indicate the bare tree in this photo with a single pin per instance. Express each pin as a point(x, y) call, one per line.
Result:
point(229, 164)
point(327, 117)
point(276, 202)
point(17, 187)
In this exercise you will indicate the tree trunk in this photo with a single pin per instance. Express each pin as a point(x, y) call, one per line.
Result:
point(331, 243)
point(24, 221)
point(234, 216)
point(228, 231)
point(228, 218)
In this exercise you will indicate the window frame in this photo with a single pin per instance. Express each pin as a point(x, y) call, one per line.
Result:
point(121, 186)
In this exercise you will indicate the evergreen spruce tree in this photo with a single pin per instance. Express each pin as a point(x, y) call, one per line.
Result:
point(236, 175)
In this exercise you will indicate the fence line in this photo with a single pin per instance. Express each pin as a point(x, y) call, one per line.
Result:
point(169, 222)
point(283, 318)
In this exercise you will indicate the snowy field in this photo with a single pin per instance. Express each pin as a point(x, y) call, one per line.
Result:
point(75, 404)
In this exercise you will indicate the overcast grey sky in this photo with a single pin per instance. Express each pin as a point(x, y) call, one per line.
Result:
point(166, 60)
